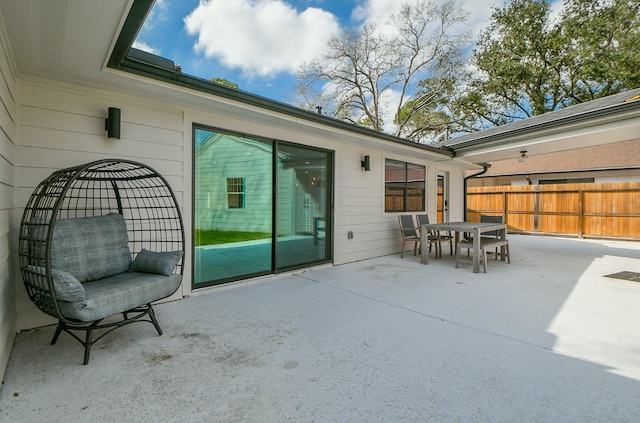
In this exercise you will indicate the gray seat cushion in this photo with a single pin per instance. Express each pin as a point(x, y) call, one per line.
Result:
point(91, 248)
point(119, 293)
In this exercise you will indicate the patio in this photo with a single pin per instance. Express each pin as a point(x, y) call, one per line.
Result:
point(547, 338)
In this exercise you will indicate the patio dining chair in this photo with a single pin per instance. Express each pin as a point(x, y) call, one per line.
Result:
point(468, 237)
point(491, 234)
point(423, 219)
point(411, 233)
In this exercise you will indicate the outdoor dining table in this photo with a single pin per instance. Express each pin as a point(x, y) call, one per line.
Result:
point(477, 228)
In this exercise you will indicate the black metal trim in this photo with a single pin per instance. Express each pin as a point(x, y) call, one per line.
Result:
point(88, 329)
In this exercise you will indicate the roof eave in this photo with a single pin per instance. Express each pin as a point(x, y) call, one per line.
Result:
point(592, 118)
point(121, 60)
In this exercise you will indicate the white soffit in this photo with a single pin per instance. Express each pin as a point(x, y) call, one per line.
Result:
point(586, 135)
point(64, 40)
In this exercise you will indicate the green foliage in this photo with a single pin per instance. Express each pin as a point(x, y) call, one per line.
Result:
point(604, 37)
point(212, 237)
point(225, 82)
point(528, 64)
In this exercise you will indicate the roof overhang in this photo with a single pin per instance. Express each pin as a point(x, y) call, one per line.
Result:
point(575, 127)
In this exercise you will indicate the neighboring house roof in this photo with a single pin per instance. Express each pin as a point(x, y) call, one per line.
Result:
point(398, 175)
point(622, 155)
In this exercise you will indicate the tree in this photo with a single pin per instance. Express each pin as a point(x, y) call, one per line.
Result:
point(604, 53)
point(370, 78)
point(519, 61)
point(526, 64)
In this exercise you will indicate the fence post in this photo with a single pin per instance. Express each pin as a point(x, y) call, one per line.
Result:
point(536, 209)
point(580, 214)
point(504, 207)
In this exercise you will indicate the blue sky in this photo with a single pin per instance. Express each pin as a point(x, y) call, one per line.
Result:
point(259, 44)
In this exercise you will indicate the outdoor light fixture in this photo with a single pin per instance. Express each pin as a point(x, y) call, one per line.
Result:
point(112, 124)
point(366, 163)
point(523, 156)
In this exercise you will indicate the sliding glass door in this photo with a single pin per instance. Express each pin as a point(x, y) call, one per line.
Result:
point(302, 206)
point(260, 206)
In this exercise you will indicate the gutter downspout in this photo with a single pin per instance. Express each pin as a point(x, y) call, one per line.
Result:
point(485, 167)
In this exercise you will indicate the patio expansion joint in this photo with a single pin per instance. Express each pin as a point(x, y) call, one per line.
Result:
point(441, 319)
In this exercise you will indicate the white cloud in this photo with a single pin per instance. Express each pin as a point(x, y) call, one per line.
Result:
point(146, 47)
point(260, 37)
point(378, 12)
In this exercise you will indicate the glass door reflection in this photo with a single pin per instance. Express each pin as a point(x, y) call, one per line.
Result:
point(303, 203)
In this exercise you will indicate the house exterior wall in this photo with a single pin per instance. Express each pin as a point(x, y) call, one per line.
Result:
point(8, 232)
point(63, 125)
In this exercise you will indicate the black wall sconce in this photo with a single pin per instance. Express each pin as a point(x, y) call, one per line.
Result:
point(366, 163)
point(112, 124)
point(523, 156)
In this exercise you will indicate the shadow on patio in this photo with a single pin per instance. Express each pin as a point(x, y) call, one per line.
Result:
point(547, 338)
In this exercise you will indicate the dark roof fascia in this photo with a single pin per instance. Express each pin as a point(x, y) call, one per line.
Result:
point(121, 59)
point(494, 138)
point(138, 13)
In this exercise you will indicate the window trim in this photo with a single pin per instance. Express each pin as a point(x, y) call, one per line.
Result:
point(406, 188)
point(242, 194)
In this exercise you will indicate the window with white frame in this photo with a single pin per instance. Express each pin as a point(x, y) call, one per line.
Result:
point(235, 193)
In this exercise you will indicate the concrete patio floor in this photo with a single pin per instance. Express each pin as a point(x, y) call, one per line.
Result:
point(547, 338)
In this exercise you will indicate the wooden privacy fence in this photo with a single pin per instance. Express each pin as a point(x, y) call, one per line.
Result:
point(586, 210)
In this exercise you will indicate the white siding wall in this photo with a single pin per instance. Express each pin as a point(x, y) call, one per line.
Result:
point(8, 233)
point(62, 126)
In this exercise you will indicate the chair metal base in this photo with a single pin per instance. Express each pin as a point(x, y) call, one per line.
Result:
point(138, 315)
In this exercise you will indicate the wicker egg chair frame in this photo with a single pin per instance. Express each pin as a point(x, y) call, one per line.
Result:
point(137, 192)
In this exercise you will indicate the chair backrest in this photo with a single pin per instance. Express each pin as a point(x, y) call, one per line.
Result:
point(407, 226)
point(491, 219)
point(423, 219)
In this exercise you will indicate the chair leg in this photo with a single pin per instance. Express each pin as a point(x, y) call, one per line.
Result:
point(483, 250)
point(402, 250)
point(506, 247)
point(87, 345)
point(57, 334)
point(152, 316)
point(458, 249)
